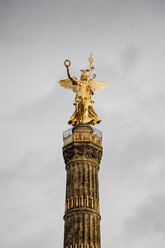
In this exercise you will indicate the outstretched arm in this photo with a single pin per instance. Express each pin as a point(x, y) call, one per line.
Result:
point(68, 72)
point(74, 80)
point(67, 63)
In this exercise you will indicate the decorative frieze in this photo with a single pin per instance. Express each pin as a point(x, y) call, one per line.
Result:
point(82, 246)
point(81, 151)
point(81, 201)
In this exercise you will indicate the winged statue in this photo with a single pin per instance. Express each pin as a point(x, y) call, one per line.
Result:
point(85, 87)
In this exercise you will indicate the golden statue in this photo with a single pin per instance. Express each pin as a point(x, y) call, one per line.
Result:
point(84, 112)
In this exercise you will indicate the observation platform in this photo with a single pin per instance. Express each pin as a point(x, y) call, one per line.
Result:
point(81, 133)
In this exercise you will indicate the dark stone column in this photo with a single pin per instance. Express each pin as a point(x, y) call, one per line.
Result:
point(82, 153)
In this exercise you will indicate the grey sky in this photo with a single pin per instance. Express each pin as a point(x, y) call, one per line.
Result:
point(127, 40)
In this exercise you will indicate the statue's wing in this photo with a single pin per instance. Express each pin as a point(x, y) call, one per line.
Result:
point(96, 85)
point(67, 83)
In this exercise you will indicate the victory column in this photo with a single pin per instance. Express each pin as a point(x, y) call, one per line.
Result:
point(82, 151)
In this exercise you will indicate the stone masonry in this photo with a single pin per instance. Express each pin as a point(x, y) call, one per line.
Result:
point(82, 153)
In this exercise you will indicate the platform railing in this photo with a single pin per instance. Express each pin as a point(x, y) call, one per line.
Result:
point(95, 137)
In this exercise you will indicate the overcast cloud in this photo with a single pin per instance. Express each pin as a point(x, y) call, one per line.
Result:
point(128, 44)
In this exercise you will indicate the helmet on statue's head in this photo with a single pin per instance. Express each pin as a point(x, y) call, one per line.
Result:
point(84, 76)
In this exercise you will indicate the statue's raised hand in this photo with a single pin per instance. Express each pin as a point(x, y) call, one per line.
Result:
point(67, 63)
